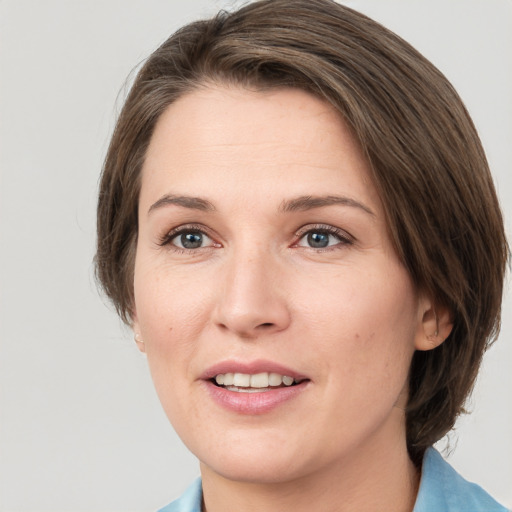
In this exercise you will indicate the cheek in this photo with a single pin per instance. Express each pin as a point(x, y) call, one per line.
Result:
point(170, 322)
point(171, 313)
point(365, 323)
point(358, 301)
point(167, 300)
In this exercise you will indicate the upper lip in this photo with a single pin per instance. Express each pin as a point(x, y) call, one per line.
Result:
point(251, 368)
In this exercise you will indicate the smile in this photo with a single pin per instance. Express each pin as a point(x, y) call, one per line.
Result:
point(253, 383)
point(253, 388)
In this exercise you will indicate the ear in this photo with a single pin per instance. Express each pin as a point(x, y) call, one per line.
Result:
point(136, 333)
point(435, 325)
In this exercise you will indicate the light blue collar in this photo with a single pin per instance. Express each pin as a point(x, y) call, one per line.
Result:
point(190, 501)
point(443, 489)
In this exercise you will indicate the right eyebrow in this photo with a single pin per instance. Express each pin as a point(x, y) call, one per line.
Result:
point(304, 203)
point(194, 203)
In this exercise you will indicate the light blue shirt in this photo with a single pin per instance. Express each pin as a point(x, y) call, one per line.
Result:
point(442, 489)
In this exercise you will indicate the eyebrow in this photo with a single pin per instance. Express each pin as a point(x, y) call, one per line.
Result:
point(305, 203)
point(302, 203)
point(194, 203)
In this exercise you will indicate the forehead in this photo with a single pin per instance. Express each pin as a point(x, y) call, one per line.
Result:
point(217, 114)
point(229, 136)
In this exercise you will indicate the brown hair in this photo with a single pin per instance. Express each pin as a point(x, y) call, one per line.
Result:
point(426, 158)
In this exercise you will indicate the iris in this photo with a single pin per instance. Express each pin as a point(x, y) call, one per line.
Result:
point(191, 240)
point(318, 240)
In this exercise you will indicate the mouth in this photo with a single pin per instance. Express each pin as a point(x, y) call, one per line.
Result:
point(255, 382)
point(253, 387)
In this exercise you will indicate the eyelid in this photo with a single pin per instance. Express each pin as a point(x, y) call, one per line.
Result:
point(345, 238)
point(167, 238)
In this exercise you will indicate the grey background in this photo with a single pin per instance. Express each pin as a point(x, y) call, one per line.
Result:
point(80, 426)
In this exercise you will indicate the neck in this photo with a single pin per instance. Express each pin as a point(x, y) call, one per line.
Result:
point(378, 477)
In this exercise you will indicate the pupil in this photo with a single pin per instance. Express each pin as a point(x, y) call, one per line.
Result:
point(318, 240)
point(191, 240)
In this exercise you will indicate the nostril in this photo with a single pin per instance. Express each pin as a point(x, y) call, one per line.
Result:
point(267, 324)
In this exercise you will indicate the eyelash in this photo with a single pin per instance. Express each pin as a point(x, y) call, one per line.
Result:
point(343, 237)
point(167, 238)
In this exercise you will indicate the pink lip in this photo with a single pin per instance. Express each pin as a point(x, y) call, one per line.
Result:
point(252, 403)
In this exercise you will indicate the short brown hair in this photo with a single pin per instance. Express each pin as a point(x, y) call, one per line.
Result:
point(426, 158)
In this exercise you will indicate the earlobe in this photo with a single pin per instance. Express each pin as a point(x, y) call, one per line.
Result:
point(140, 342)
point(435, 326)
point(136, 331)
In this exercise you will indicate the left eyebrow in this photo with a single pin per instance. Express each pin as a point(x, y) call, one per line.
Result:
point(305, 203)
point(194, 203)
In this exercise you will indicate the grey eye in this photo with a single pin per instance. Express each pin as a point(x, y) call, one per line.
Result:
point(191, 240)
point(319, 239)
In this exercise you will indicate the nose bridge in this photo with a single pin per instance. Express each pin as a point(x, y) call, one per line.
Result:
point(250, 299)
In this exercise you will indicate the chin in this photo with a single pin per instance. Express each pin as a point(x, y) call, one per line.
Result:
point(252, 460)
point(258, 470)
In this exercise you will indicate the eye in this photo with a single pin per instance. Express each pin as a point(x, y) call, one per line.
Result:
point(187, 238)
point(323, 237)
point(191, 240)
point(318, 240)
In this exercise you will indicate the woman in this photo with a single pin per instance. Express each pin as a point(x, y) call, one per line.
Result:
point(297, 220)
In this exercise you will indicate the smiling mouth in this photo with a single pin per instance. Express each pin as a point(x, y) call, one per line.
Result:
point(254, 383)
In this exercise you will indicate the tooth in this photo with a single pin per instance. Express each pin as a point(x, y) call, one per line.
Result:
point(259, 380)
point(287, 381)
point(274, 379)
point(228, 379)
point(248, 390)
point(242, 380)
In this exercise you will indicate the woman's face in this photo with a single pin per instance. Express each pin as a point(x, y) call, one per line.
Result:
point(263, 251)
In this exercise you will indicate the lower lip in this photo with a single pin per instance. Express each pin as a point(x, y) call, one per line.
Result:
point(254, 403)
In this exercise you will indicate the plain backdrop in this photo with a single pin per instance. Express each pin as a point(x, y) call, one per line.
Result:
point(81, 427)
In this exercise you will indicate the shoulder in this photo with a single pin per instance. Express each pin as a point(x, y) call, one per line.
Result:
point(443, 489)
point(189, 501)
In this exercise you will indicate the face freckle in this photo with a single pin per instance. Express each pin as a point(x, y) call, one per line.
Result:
point(342, 313)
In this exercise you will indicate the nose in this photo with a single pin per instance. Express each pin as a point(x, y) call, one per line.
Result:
point(251, 298)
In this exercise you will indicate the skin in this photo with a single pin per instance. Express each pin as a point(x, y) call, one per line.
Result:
point(347, 316)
